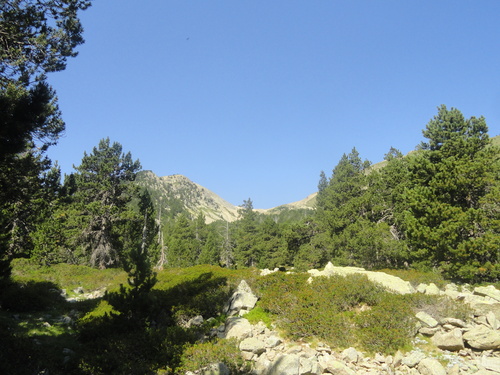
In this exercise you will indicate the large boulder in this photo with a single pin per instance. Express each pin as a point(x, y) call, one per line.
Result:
point(239, 328)
point(253, 345)
point(242, 299)
point(488, 291)
point(391, 283)
point(431, 366)
point(483, 338)
point(451, 340)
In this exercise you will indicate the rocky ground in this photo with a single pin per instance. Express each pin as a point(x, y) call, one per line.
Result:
point(445, 347)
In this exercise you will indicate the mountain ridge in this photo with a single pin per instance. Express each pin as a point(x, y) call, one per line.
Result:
point(177, 193)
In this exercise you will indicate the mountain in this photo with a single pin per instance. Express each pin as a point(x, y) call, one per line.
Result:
point(176, 194)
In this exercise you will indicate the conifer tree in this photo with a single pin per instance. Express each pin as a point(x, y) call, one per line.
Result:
point(452, 177)
point(103, 193)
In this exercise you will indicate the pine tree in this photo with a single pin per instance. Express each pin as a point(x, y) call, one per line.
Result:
point(451, 178)
point(103, 194)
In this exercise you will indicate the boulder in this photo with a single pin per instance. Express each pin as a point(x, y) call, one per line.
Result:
point(452, 340)
point(391, 283)
point(350, 355)
point(491, 363)
point(239, 328)
point(412, 359)
point(425, 318)
point(488, 291)
point(242, 299)
point(253, 345)
point(431, 366)
point(331, 365)
point(483, 338)
point(432, 289)
point(284, 365)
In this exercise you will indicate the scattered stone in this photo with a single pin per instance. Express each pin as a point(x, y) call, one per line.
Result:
point(195, 322)
point(431, 366)
point(239, 328)
point(451, 340)
point(426, 319)
point(427, 331)
point(78, 290)
point(331, 365)
point(488, 291)
point(491, 363)
point(413, 359)
point(350, 355)
point(482, 337)
point(454, 322)
point(242, 299)
point(252, 344)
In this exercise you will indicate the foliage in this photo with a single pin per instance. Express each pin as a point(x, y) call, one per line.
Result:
point(203, 354)
point(387, 326)
point(445, 219)
point(322, 309)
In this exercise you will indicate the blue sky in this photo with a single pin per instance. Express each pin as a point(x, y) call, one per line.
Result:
point(252, 99)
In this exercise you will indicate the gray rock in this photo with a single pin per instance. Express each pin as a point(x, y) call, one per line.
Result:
point(492, 320)
point(309, 366)
point(488, 291)
point(252, 344)
point(242, 299)
point(432, 289)
point(425, 318)
point(412, 359)
point(491, 363)
point(284, 365)
point(350, 355)
point(272, 341)
point(427, 331)
point(239, 328)
point(331, 365)
point(196, 321)
point(483, 338)
point(431, 366)
point(454, 322)
point(452, 340)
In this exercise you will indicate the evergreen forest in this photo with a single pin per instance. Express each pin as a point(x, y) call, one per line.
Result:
point(436, 209)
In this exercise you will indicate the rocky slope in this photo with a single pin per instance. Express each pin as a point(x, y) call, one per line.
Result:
point(179, 194)
point(446, 347)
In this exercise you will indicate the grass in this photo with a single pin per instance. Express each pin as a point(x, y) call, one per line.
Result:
point(43, 331)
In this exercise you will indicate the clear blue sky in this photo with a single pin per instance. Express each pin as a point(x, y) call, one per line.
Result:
point(252, 99)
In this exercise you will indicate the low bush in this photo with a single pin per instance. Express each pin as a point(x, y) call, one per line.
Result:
point(201, 355)
point(387, 326)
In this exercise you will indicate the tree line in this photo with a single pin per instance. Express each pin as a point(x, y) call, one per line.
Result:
point(435, 208)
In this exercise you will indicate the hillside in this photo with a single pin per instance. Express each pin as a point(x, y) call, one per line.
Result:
point(177, 193)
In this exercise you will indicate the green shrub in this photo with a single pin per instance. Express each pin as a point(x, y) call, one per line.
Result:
point(258, 314)
point(201, 355)
point(387, 326)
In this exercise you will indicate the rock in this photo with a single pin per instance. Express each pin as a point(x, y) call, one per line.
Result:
point(215, 369)
point(242, 299)
point(452, 340)
point(272, 341)
point(196, 321)
point(412, 359)
point(483, 338)
point(331, 365)
point(491, 363)
point(488, 291)
point(78, 290)
point(427, 331)
point(388, 282)
point(309, 366)
point(431, 366)
point(432, 289)
point(284, 365)
point(481, 307)
point(492, 320)
point(426, 319)
point(350, 355)
point(239, 328)
point(252, 344)
point(454, 322)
